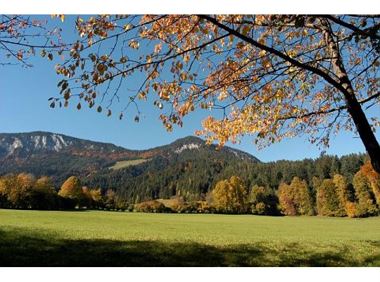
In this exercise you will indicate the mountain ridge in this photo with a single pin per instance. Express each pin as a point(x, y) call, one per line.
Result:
point(107, 165)
point(186, 167)
point(64, 142)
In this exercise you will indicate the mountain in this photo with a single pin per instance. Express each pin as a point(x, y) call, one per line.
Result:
point(23, 147)
point(187, 167)
point(187, 164)
point(56, 155)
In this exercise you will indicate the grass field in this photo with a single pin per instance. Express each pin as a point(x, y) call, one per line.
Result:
point(96, 238)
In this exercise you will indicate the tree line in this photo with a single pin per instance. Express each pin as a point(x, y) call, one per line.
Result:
point(332, 196)
point(192, 176)
point(25, 191)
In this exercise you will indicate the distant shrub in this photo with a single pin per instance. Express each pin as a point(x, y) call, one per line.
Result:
point(96, 198)
point(151, 206)
point(178, 204)
point(130, 207)
point(66, 203)
point(204, 207)
point(259, 208)
point(110, 199)
point(262, 200)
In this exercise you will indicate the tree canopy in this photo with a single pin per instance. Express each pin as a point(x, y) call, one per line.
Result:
point(334, 196)
point(230, 195)
point(273, 76)
point(72, 189)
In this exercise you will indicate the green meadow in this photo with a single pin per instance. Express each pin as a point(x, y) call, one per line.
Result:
point(124, 164)
point(99, 238)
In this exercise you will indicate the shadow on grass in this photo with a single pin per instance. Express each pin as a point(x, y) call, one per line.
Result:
point(20, 248)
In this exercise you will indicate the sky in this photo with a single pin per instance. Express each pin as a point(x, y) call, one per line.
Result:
point(24, 107)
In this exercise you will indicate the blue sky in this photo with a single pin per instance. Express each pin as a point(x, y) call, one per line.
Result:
point(24, 107)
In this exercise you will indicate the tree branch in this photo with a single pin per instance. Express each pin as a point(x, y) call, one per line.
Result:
point(273, 51)
point(363, 101)
point(355, 29)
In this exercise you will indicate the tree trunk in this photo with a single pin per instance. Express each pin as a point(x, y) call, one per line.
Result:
point(353, 107)
point(364, 129)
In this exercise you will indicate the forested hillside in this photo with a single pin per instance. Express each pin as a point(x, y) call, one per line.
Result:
point(160, 171)
point(187, 168)
point(193, 176)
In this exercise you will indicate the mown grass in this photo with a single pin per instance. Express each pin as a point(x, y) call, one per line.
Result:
point(96, 238)
point(124, 164)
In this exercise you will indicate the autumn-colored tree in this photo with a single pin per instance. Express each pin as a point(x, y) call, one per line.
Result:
point(151, 206)
point(303, 197)
point(44, 195)
point(329, 201)
point(230, 196)
point(273, 76)
point(177, 204)
point(366, 200)
point(295, 199)
point(113, 201)
point(97, 198)
point(203, 206)
point(373, 178)
point(262, 200)
point(3, 193)
point(6, 184)
point(346, 194)
point(315, 183)
point(24, 191)
point(86, 200)
point(286, 200)
point(110, 199)
point(342, 188)
point(20, 194)
point(72, 189)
